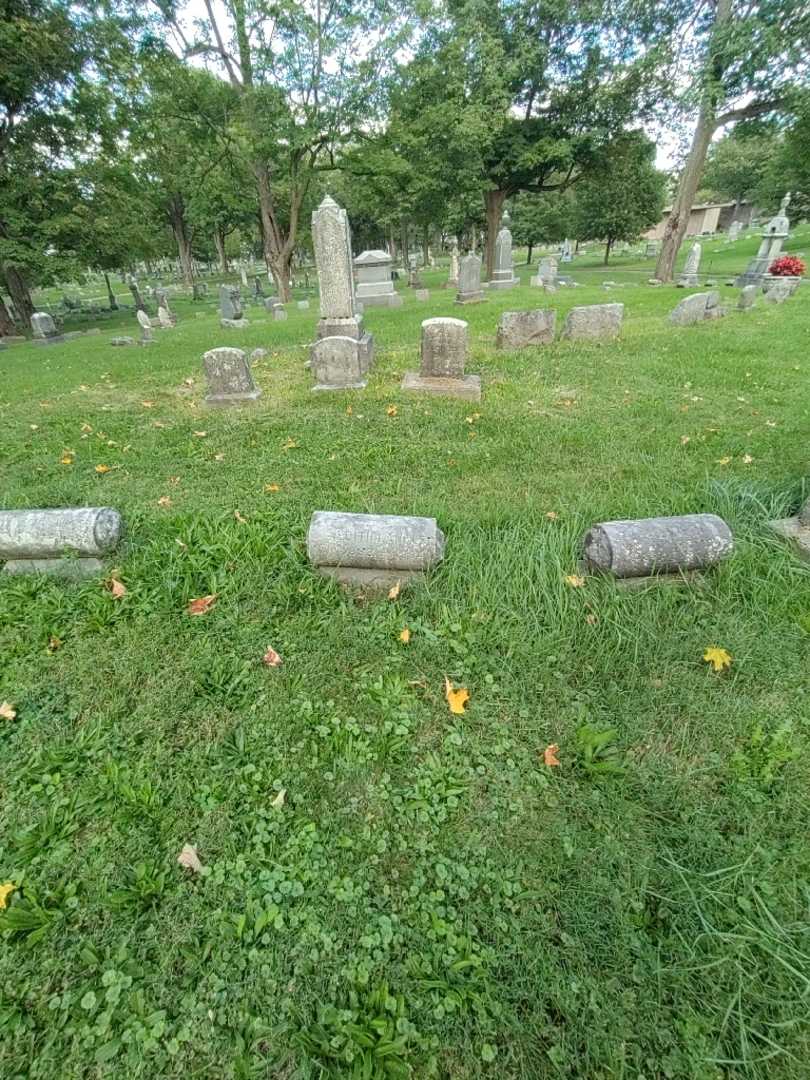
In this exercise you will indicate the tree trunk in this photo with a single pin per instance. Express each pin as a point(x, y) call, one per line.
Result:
point(678, 220)
point(110, 293)
point(494, 201)
point(136, 295)
point(608, 246)
point(20, 296)
point(426, 247)
point(392, 243)
point(277, 252)
point(177, 217)
point(219, 241)
point(529, 254)
point(6, 321)
point(405, 242)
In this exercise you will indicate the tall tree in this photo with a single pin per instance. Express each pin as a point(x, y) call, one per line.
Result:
point(737, 164)
point(744, 59)
point(622, 196)
point(305, 75)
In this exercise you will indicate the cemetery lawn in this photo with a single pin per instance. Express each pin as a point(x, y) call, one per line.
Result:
point(427, 897)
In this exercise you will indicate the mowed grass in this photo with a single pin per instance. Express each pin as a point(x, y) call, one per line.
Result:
point(431, 899)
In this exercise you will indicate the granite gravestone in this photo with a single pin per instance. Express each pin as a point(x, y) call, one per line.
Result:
point(229, 378)
point(796, 530)
point(689, 274)
point(546, 276)
point(517, 329)
point(444, 355)
point(695, 308)
point(778, 290)
point(341, 357)
point(230, 307)
point(452, 281)
point(503, 274)
point(734, 230)
point(748, 295)
point(65, 543)
point(44, 329)
point(375, 287)
point(376, 551)
point(469, 280)
point(593, 321)
point(145, 324)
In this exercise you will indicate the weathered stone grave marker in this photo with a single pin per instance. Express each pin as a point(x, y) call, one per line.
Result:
point(517, 329)
point(37, 541)
point(593, 321)
point(444, 355)
point(230, 381)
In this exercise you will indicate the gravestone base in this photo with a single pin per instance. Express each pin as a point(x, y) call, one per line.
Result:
point(55, 339)
point(71, 569)
point(234, 324)
point(796, 533)
point(692, 578)
point(224, 400)
point(686, 281)
point(351, 327)
point(471, 298)
point(467, 387)
point(122, 341)
point(504, 282)
point(373, 581)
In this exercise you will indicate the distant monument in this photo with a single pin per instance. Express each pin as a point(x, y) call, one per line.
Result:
point(503, 274)
point(689, 274)
point(773, 236)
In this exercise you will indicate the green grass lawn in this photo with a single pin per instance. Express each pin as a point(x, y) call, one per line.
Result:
point(431, 899)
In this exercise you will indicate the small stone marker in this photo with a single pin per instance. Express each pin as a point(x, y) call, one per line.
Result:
point(230, 381)
point(422, 294)
point(503, 274)
point(796, 530)
point(257, 355)
point(664, 545)
point(689, 275)
point(199, 290)
point(695, 308)
point(444, 354)
point(375, 551)
point(546, 276)
point(270, 302)
point(279, 313)
point(593, 321)
point(303, 305)
point(469, 281)
point(230, 307)
point(517, 329)
point(34, 541)
point(44, 329)
point(146, 327)
point(452, 281)
point(339, 363)
point(165, 318)
point(122, 341)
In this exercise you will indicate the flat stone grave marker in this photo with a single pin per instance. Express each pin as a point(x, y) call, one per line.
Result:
point(593, 321)
point(230, 381)
point(444, 355)
point(517, 329)
point(65, 542)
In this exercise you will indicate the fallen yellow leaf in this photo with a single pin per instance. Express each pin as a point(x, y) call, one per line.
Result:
point(718, 658)
point(391, 410)
point(102, 468)
point(164, 500)
point(349, 410)
point(200, 434)
point(289, 444)
point(239, 518)
point(456, 698)
point(550, 755)
point(576, 581)
point(87, 429)
point(278, 802)
point(271, 489)
point(747, 459)
point(6, 889)
point(724, 461)
point(202, 604)
point(405, 635)
point(7, 711)
point(148, 404)
point(66, 460)
point(394, 591)
point(54, 643)
point(552, 515)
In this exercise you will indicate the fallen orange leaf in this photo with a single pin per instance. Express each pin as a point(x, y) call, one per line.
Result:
point(66, 460)
point(271, 489)
point(576, 581)
point(271, 658)
point(117, 588)
point(102, 468)
point(456, 698)
point(405, 635)
point(54, 643)
point(550, 755)
point(202, 604)
point(394, 591)
point(391, 410)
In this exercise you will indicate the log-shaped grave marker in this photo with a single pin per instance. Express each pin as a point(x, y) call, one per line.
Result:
point(375, 552)
point(68, 542)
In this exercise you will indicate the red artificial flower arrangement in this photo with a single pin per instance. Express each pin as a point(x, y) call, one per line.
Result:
point(787, 266)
